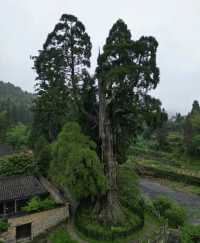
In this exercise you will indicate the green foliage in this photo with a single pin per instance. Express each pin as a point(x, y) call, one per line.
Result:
point(162, 204)
point(190, 233)
point(17, 164)
point(191, 133)
point(89, 104)
point(3, 225)
point(175, 141)
point(125, 81)
point(87, 224)
point(61, 67)
point(75, 163)
point(60, 236)
point(128, 187)
point(153, 168)
point(42, 155)
point(16, 103)
point(36, 204)
point(169, 210)
point(132, 207)
point(4, 124)
point(176, 216)
point(149, 207)
point(18, 136)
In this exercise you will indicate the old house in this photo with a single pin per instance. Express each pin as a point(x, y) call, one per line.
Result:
point(15, 192)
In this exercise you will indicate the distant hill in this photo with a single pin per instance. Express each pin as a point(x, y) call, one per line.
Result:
point(16, 103)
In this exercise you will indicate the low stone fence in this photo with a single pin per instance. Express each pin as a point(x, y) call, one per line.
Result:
point(40, 222)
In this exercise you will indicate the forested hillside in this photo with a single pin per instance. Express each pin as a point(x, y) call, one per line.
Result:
point(16, 103)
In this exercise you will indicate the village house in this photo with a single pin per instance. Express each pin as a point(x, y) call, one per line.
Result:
point(15, 192)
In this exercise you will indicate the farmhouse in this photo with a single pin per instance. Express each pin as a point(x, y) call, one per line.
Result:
point(23, 226)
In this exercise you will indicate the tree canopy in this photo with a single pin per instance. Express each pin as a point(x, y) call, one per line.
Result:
point(60, 67)
point(127, 71)
point(75, 163)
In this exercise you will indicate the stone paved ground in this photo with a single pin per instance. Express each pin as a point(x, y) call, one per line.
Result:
point(189, 200)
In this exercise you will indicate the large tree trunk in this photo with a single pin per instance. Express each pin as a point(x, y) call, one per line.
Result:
point(109, 209)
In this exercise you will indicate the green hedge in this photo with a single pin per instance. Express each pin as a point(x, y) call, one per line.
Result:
point(171, 175)
point(162, 157)
point(171, 211)
point(88, 226)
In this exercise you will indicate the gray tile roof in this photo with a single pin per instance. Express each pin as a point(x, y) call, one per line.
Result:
point(20, 187)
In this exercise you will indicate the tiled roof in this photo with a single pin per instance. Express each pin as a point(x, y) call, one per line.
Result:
point(20, 187)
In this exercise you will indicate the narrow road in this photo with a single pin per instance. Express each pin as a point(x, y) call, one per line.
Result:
point(188, 200)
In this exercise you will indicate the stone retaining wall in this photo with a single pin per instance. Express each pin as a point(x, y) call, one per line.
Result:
point(40, 222)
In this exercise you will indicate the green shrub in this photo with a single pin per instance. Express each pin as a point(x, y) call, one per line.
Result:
point(3, 225)
point(162, 204)
point(76, 165)
point(17, 164)
point(60, 236)
point(176, 216)
point(190, 233)
point(47, 203)
point(17, 136)
point(36, 204)
point(169, 210)
point(168, 173)
point(149, 206)
point(130, 195)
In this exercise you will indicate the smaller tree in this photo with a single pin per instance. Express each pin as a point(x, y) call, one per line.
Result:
point(17, 136)
point(195, 107)
point(192, 131)
point(75, 164)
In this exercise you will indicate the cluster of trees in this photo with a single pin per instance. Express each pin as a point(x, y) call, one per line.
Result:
point(192, 130)
point(74, 110)
point(15, 114)
point(16, 103)
point(179, 134)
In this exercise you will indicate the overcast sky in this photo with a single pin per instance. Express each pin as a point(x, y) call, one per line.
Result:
point(24, 25)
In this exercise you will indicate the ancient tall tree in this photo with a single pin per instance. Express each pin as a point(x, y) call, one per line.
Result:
point(126, 72)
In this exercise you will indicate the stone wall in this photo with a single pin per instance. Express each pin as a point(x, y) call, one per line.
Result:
point(40, 221)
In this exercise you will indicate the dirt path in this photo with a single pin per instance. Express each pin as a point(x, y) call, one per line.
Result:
point(189, 200)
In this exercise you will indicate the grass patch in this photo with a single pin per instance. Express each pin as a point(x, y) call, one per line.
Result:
point(60, 236)
point(190, 233)
point(57, 234)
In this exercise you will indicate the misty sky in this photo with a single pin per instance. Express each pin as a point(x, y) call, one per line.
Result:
point(24, 25)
